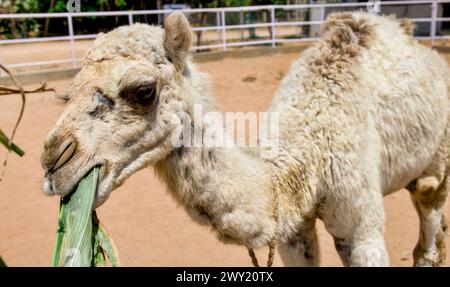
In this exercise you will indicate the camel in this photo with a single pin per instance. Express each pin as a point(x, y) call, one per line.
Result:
point(362, 113)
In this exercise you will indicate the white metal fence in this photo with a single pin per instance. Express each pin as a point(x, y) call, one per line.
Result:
point(221, 27)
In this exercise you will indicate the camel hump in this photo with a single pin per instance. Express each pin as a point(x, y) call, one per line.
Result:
point(407, 25)
point(343, 29)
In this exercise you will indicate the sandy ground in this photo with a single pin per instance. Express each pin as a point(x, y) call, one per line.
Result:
point(148, 227)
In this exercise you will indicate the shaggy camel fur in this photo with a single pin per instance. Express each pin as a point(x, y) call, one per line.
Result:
point(363, 113)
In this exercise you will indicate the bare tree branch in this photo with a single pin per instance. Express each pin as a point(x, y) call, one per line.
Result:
point(19, 89)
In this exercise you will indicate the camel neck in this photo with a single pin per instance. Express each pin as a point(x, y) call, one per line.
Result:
point(227, 188)
point(224, 187)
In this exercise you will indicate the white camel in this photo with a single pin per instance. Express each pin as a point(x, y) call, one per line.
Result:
point(363, 113)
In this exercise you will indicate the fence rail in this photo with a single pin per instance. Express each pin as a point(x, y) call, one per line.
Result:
point(221, 26)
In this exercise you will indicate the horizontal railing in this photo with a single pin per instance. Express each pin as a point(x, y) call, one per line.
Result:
point(221, 26)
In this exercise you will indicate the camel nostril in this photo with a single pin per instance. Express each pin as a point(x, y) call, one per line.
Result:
point(65, 152)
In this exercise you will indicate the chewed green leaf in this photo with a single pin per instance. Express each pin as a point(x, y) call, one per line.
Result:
point(59, 234)
point(98, 258)
point(103, 244)
point(81, 240)
point(75, 226)
point(107, 245)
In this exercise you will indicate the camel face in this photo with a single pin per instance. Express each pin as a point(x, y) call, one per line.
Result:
point(119, 108)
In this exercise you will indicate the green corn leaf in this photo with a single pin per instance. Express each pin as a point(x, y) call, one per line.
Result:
point(105, 245)
point(81, 241)
point(5, 141)
point(59, 233)
point(99, 258)
point(74, 236)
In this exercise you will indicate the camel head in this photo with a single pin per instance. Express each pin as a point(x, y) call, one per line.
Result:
point(118, 108)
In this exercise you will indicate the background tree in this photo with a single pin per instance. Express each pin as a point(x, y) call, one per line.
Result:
point(17, 28)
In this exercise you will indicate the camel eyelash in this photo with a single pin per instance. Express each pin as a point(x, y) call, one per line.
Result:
point(104, 99)
point(62, 99)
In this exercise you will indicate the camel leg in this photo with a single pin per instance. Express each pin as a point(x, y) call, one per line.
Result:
point(303, 250)
point(362, 247)
point(428, 193)
point(428, 196)
point(370, 252)
point(356, 222)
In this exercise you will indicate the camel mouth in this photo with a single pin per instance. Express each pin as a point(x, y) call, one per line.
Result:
point(59, 184)
point(101, 172)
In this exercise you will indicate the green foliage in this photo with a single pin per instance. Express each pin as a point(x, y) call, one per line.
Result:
point(2, 263)
point(205, 4)
point(229, 3)
point(26, 6)
point(80, 240)
point(59, 6)
point(5, 141)
point(23, 28)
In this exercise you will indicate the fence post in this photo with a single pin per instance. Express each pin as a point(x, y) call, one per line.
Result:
point(322, 13)
point(224, 35)
point(378, 7)
point(434, 11)
point(272, 17)
point(241, 22)
point(1, 60)
point(72, 46)
point(218, 24)
point(130, 19)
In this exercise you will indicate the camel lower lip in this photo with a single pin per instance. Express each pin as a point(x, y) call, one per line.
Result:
point(48, 187)
point(51, 187)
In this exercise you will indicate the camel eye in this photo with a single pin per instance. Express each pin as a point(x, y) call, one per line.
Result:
point(105, 105)
point(145, 95)
point(104, 100)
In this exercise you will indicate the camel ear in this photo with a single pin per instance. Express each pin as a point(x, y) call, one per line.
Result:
point(177, 39)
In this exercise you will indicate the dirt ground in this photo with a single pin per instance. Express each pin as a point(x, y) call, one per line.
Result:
point(149, 229)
